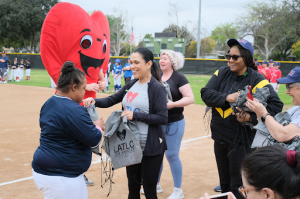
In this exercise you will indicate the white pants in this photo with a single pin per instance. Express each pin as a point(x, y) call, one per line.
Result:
point(106, 80)
point(117, 81)
point(28, 72)
point(274, 86)
point(21, 73)
point(13, 74)
point(58, 187)
point(7, 72)
point(53, 85)
point(17, 73)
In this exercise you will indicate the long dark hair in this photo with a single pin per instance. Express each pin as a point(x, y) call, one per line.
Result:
point(267, 167)
point(69, 76)
point(148, 56)
point(247, 57)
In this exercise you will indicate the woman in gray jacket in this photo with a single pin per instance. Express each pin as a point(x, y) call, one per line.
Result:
point(144, 101)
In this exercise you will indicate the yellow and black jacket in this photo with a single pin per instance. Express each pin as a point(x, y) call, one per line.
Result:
point(224, 127)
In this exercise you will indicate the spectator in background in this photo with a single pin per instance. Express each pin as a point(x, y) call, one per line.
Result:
point(271, 64)
point(259, 67)
point(21, 69)
point(28, 69)
point(14, 68)
point(276, 75)
point(128, 72)
point(8, 69)
point(117, 74)
point(270, 172)
point(3, 68)
point(265, 71)
point(107, 75)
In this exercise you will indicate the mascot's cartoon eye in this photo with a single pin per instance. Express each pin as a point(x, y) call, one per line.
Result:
point(104, 46)
point(86, 41)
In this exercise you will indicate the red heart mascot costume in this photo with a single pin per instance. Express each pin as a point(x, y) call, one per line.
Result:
point(69, 33)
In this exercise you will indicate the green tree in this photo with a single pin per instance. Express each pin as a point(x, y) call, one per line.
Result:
point(269, 23)
point(181, 32)
point(126, 50)
point(148, 35)
point(222, 33)
point(296, 49)
point(23, 20)
point(207, 46)
point(118, 35)
point(193, 48)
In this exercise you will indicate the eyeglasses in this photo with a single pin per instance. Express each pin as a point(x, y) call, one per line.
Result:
point(288, 86)
point(234, 57)
point(244, 192)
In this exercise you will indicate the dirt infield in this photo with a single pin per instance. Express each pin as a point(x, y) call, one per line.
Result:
point(19, 138)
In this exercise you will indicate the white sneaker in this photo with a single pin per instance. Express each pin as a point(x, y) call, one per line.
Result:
point(158, 189)
point(5, 82)
point(177, 194)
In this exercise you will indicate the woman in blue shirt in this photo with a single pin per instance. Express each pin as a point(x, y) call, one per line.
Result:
point(67, 136)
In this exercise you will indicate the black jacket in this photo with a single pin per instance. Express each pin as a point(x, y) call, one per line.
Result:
point(158, 114)
point(224, 127)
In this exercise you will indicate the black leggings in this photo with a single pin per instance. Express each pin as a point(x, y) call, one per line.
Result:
point(146, 173)
point(229, 167)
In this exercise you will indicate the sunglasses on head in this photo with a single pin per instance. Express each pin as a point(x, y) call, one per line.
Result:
point(234, 57)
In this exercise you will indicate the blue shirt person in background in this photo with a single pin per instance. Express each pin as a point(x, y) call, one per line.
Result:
point(67, 138)
point(128, 72)
point(3, 68)
point(117, 74)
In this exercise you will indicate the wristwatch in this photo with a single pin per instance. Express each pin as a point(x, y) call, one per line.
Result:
point(263, 118)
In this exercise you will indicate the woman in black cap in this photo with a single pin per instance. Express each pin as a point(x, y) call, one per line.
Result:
point(232, 139)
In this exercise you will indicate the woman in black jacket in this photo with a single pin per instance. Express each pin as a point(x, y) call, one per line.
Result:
point(232, 139)
point(144, 101)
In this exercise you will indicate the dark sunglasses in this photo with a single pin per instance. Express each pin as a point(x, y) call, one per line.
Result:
point(234, 57)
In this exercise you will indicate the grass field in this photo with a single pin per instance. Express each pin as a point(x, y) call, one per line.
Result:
point(41, 78)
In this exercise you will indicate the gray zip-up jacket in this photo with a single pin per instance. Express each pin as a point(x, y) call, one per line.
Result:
point(158, 114)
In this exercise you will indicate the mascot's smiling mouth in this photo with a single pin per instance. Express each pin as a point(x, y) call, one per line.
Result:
point(87, 62)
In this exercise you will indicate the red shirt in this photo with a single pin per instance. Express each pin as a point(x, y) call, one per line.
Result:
point(266, 73)
point(259, 67)
point(275, 75)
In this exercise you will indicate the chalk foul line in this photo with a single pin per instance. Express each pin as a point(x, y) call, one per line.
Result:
point(95, 162)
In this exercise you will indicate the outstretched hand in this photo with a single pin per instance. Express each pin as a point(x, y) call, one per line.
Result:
point(256, 107)
point(88, 101)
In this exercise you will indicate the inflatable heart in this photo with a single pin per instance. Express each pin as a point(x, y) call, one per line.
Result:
point(69, 33)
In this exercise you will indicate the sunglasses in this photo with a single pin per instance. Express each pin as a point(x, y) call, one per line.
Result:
point(234, 57)
point(244, 192)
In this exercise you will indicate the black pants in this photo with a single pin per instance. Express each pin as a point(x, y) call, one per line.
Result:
point(127, 79)
point(146, 173)
point(229, 167)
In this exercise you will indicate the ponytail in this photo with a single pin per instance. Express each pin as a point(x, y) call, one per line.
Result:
point(69, 76)
point(276, 168)
point(155, 71)
point(148, 56)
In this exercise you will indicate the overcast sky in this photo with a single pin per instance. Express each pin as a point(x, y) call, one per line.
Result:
point(152, 15)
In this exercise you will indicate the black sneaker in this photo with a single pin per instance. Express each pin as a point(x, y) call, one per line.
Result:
point(88, 182)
